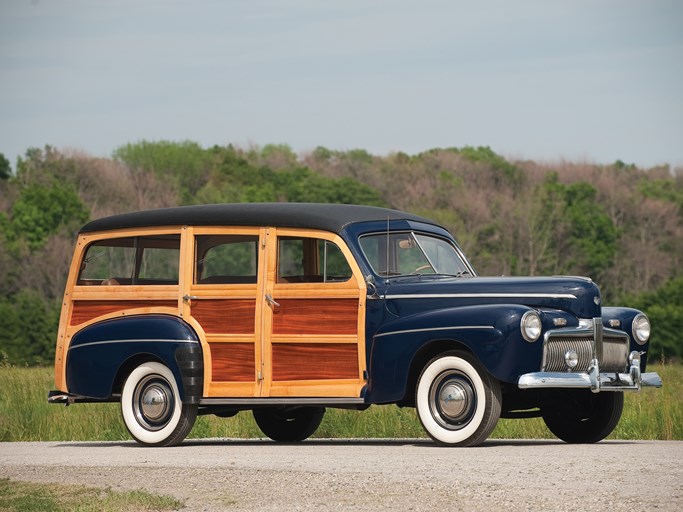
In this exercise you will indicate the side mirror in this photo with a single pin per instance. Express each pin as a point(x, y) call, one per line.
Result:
point(372, 288)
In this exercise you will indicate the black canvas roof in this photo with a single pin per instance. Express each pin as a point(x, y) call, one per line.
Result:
point(328, 217)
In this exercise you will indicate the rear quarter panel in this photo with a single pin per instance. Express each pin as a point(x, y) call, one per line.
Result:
point(103, 353)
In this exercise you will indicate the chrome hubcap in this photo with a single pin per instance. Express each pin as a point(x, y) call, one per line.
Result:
point(452, 400)
point(153, 402)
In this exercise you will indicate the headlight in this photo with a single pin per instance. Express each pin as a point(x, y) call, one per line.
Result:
point(531, 326)
point(641, 329)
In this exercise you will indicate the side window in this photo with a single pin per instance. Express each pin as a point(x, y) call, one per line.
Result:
point(226, 259)
point(150, 260)
point(310, 260)
point(393, 254)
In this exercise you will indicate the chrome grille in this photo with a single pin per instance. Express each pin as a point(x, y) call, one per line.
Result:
point(614, 353)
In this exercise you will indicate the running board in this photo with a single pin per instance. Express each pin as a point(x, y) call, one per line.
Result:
point(322, 401)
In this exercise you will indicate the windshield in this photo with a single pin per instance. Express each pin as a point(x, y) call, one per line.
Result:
point(396, 254)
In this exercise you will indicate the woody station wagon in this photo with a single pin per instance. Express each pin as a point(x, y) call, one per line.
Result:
point(289, 309)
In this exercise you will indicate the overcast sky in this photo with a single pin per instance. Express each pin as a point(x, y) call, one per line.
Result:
point(589, 80)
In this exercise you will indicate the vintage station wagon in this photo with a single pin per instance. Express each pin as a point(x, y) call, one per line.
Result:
point(288, 309)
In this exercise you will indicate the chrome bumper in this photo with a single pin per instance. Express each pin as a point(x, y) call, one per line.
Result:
point(594, 381)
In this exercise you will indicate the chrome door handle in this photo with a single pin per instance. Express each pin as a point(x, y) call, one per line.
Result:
point(270, 300)
point(188, 298)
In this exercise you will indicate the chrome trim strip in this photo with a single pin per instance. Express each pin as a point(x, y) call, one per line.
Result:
point(607, 381)
point(429, 329)
point(282, 401)
point(131, 341)
point(481, 296)
point(597, 338)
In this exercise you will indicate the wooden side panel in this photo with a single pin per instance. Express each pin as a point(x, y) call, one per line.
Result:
point(316, 316)
point(225, 316)
point(232, 362)
point(314, 361)
point(84, 310)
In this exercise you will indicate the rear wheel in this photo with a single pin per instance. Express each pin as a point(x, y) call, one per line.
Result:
point(151, 407)
point(457, 401)
point(581, 416)
point(289, 424)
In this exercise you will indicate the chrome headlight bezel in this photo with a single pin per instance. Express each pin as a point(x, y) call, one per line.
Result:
point(641, 329)
point(531, 326)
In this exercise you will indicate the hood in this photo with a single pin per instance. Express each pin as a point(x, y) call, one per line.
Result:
point(577, 295)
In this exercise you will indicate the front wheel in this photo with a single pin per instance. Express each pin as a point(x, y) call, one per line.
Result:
point(457, 401)
point(288, 425)
point(581, 416)
point(151, 407)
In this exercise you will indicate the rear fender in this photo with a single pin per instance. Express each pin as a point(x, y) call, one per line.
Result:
point(102, 355)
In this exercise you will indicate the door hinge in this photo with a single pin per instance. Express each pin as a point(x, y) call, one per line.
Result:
point(259, 376)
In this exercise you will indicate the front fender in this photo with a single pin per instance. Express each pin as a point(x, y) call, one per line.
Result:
point(490, 332)
point(100, 352)
point(625, 316)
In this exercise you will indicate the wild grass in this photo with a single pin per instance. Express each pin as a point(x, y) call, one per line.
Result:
point(30, 497)
point(25, 415)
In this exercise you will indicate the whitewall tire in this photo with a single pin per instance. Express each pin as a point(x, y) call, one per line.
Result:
point(457, 401)
point(151, 407)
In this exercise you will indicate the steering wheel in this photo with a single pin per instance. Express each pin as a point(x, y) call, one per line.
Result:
point(423, 267)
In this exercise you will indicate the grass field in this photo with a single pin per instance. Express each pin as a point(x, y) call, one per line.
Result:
point(35, 497)
point(25, 415)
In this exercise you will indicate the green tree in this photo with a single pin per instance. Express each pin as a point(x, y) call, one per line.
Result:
point(41, 211)
point(668, 189)
point(185, 163)
point(592, 233)
point(664, 309)
point(236, 179)
point(5, 168)
point(485, 155)
point(29, 328)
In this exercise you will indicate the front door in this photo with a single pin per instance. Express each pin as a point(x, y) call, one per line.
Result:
point(313, 321)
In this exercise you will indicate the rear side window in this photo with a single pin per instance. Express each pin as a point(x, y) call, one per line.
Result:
point(226, 259)
point(141, 260)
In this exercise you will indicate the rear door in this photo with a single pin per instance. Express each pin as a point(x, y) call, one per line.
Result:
point(223, 303)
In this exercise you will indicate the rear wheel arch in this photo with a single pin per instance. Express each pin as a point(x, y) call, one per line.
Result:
point(188, 371)
point(128, 366)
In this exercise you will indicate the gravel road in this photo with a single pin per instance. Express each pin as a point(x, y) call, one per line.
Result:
point(320, 475)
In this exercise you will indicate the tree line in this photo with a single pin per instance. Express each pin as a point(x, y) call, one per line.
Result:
point(618, 224)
